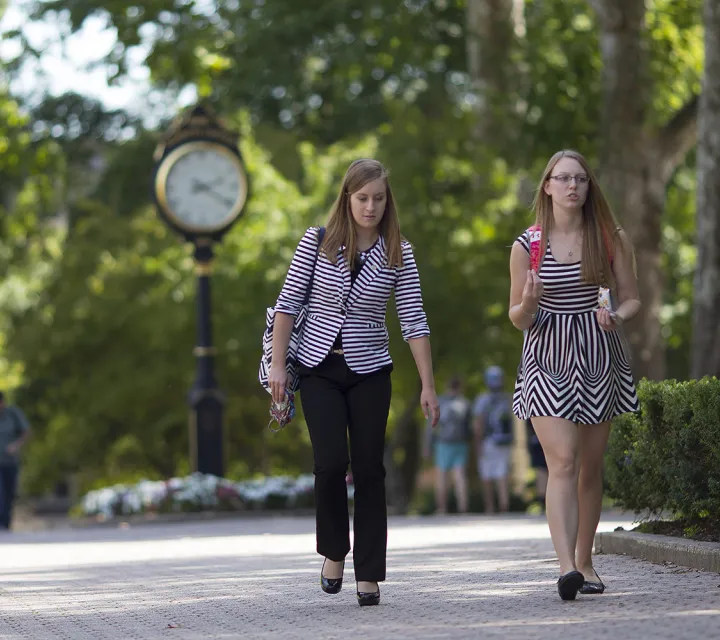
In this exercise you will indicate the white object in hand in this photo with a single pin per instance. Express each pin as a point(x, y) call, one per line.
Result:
point(604, 301)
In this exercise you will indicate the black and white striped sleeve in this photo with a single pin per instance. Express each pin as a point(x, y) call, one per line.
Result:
point(408, 298)
point(292, 295)
point(524, 242)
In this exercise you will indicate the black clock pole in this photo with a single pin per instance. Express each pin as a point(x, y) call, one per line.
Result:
point(199, 134)
point(206, 400)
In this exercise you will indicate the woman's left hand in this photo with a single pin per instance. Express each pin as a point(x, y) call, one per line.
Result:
point(430, 405)
point(607, 320)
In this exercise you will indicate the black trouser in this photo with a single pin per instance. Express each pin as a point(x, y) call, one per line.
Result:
point(336, 401)
point(8, 483)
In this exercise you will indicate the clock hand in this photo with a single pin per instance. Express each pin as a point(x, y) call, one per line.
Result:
point(217, 196)
point(199, 186)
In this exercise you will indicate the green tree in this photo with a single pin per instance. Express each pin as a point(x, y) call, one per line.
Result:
point(29, 235)
point(109, 384)
point(645, 138)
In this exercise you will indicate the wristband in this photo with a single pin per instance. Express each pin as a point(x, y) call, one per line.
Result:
point(529, 315)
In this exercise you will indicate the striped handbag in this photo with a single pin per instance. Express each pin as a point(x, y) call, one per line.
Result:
point(284, 412)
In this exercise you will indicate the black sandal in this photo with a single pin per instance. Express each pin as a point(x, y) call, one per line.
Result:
point(569, 584)
point(368, 599)
point(593, 588)
point(330, 585)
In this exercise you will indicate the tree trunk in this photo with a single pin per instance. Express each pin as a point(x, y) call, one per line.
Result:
point(491, 27)
point(637, 163)
point(706, 335)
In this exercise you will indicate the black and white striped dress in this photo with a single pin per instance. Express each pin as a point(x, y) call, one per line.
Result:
point(570, 367)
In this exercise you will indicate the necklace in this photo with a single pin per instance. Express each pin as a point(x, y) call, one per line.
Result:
point(570, 252)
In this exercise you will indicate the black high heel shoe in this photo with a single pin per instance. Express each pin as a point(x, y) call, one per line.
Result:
point(569, 584)
point(368, 599)
point(330, 585)
point(593, 588)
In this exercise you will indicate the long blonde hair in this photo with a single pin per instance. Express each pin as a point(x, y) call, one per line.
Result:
point(340, 226)
point(599, 223)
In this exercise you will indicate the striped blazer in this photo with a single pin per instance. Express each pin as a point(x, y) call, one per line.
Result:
point(357, 309)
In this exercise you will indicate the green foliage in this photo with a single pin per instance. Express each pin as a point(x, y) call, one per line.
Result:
point(667, 458)
point(563, 95)
point(26, 189)
point(29, 241)
point(95, 375)
point(325, 65)
point(679, 263)
point(675, 36)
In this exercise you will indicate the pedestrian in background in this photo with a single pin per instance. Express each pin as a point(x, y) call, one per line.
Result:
point(574, 376)
point(493, 427)
point(345, 365)
point(449, 443)
point(14, 432)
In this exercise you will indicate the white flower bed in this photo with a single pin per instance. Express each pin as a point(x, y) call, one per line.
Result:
point(200, 492)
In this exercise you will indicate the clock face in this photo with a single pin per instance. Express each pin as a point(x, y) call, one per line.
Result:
point(204, 188)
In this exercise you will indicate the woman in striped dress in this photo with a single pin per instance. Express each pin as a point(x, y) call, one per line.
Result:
point(345, 365)
point(574, 376)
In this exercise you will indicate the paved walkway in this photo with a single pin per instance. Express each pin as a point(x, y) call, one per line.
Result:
point(454, 577)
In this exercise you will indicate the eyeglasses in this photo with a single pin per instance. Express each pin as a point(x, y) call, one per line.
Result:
point(566, 178)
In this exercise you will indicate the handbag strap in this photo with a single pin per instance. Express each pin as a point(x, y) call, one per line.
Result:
point(308, 290)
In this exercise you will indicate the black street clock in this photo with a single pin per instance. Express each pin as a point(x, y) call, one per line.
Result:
point(200, 184)
point(200, 188)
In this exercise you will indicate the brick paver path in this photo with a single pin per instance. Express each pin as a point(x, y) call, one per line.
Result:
point(452, 577)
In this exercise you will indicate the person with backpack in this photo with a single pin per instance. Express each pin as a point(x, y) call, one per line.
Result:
point(450, 443)
point(348, 274)
point(14, 431)
point(493, 426)
point(574, 376)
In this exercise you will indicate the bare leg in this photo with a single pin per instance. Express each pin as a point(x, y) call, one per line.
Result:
point(440, 491)
point(489, 496)
point(461, 488)
point(592, 442)
point(503, 487)
point(559, 440)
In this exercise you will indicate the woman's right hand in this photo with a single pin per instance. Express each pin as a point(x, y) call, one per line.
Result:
point(532, 292)
point(277, 379)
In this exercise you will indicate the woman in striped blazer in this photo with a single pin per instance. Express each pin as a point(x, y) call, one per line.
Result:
point(345, 365)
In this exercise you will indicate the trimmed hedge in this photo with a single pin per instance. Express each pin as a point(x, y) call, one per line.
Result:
point(667, 457)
